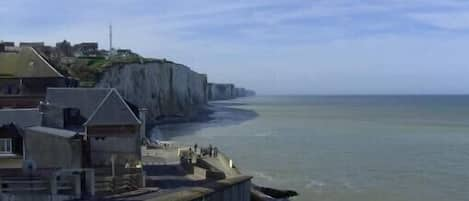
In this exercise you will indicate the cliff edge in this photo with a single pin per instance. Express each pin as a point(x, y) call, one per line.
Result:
point(168, 90)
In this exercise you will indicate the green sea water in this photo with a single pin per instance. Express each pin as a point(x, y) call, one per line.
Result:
point(357, 148)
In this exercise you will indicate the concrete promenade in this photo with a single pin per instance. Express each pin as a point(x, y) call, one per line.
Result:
point(168, 180)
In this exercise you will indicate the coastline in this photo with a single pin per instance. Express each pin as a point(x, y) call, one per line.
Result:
point(219, 114)
point(214, 114)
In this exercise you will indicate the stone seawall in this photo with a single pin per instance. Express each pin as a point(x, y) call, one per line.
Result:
point(217, 91)
point(168, 90)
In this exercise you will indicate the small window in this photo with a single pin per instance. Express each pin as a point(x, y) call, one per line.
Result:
point(5, 146)
point(9, 89)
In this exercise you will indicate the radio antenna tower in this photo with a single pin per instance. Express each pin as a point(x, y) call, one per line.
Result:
point(110, 38)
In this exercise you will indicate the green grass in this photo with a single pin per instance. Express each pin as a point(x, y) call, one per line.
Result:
point(20, 65)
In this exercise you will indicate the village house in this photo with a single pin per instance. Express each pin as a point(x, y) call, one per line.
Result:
point(24, 77)
point(7, 43)
point(87, 49)
point(64, 49)
point(32, 44)
point(12, 122)
point(23, 138)
point(111, 130)
point(40, 163)
point(82, 131)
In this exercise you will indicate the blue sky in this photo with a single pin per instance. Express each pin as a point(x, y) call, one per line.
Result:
point(273, 46)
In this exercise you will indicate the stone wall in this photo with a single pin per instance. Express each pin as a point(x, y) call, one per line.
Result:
point(168, 90)
point(126, 149)
point(230, 189)
point(52, 151)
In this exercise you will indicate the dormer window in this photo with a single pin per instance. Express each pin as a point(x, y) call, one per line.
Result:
point(6, 146)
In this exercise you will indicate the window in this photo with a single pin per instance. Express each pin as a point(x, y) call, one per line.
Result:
point(5, 146)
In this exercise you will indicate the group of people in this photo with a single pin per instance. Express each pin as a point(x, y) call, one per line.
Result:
point(210, 151)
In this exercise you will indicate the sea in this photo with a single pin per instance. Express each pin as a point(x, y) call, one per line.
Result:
point(351, 148)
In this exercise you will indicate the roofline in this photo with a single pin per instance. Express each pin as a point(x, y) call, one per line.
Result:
point(38, 129)
point(48, 64)
point(79, 88)
point(19, 109)
point(104, 99)
point(20, 77)
point(127, 106)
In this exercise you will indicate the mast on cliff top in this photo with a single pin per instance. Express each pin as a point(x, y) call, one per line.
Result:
point(110, 38)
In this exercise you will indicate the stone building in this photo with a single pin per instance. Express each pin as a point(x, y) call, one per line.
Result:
point(12, 123)
point(64, 49)
point(110, 127)
point(7, 43)
point(24, 78)
point(88, 49)
point(32, 44)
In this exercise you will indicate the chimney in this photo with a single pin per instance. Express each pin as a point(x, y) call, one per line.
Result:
point(142, 114)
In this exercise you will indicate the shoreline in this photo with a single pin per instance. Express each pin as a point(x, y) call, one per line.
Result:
point(214, 114)
point(220, 114)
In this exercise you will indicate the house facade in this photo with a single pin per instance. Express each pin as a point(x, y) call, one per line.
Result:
point(12, 123)
point(24, 78)
point(110, 127)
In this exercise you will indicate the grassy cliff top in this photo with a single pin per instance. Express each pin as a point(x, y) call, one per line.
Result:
point(88, 69)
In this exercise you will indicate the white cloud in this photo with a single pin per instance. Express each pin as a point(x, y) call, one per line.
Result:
point(447, 20)
point(236, 41)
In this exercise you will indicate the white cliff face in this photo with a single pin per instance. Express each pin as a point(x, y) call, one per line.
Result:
point(167, 90)
point(221, 91)
point(242, 92)
point(218, 91)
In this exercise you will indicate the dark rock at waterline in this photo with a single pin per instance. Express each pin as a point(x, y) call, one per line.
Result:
point(276, 193)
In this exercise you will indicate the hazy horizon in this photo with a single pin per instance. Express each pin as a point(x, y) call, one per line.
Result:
point(273, 47)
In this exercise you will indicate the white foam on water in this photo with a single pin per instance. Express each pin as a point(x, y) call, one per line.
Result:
point(262, 175)
point(263, 134)
point(316, 185)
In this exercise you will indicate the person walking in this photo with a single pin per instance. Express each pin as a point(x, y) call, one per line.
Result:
point(210, 150)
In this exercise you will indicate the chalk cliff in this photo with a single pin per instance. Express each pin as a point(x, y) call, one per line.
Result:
point(242, 92)
point(221, 91)
point(217, 91)
point(168, 90)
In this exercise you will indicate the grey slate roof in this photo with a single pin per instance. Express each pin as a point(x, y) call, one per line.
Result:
point(85, 99)
point(113, 110)
point(20, 117)
point(100, 106)
point(53, 131)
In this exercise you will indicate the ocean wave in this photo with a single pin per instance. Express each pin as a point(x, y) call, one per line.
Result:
point(262, 175)
point(321, 186)
point(314, 184)
point(263, 134)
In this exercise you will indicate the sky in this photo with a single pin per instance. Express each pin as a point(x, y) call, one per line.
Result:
point(273, 46)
